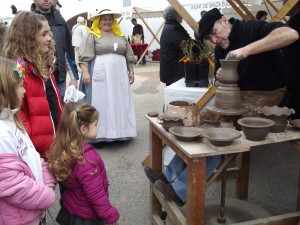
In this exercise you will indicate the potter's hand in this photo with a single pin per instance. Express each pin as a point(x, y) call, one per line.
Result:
point(237, 54)
point(218, 74)
point(86, 79)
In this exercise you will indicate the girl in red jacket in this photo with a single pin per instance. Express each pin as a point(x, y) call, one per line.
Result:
point(80, 169)
point(29, 38)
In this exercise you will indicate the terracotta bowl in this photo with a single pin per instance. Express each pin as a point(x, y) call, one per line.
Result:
point(186, 133)
point(221, 136)
point(255, 128)
point(278, 114)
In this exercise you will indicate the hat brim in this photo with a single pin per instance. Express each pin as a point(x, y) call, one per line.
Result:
point(115, 14)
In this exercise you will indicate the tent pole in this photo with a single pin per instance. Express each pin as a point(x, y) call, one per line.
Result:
point(144, 53)
point(237, 9)
point(274, 7)
point(287, 7)
point(245, 9)
point(135, 9)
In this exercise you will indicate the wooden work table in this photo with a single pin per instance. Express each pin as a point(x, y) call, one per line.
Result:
point(194, 155)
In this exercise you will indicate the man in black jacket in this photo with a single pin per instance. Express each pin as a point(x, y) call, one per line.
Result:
point(171, 70)
point(65, 59)
point(257, 45)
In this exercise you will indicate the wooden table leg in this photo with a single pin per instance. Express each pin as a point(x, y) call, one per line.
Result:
point(242, 181)
point(196, 170)
point(156, 161)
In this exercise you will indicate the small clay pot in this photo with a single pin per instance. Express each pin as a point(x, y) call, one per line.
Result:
point(229, 73)
point(255, 128)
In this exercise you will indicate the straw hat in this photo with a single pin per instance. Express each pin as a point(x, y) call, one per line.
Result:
point(106, 12)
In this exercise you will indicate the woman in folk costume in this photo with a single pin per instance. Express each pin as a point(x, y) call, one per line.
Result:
point(106, 60)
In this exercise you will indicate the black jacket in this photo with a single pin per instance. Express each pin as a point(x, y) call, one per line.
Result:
point(63, 44)
point(260, 72)
point(171, 70)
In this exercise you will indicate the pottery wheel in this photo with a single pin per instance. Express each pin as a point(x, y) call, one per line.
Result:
point(227, 112)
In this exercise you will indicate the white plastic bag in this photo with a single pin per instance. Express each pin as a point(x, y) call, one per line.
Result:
point(73, 95)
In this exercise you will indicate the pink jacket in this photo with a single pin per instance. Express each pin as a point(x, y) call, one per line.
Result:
point(22, 199)
point(86, 194)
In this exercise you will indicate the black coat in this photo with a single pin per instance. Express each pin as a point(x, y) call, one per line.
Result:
point(171, 70)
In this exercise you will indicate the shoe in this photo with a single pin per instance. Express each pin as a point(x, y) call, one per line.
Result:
point(154, 175)
point(168, 191)
point(143, 63)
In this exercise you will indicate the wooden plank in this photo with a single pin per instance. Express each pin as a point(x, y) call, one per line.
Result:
point(147, 161)
point(247, 11)
point(274, 7)
point(157, 220)
point(285, 219)
point(240, 12)
point(144, 53)
point(206, 97)
point(195, 194)
point(171, 208)
point(242, 182)
point(287, 7)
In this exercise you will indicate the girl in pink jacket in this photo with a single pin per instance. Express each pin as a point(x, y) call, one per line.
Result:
point(80, 169)
point(26, 186)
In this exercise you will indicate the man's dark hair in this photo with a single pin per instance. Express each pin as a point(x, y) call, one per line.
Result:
point(260, 14)
point(134, 19)
point(14, 9)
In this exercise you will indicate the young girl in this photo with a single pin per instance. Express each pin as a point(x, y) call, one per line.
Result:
point(26, 184)
point(80, 168)
point(29, 38)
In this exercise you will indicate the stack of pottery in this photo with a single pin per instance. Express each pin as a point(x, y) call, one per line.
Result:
point(228, 97)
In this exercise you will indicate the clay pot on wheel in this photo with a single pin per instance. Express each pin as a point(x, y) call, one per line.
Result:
point(229, 73)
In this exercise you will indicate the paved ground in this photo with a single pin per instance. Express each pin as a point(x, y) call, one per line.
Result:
point(272, 182)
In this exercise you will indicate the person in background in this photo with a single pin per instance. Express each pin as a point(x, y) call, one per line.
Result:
point(29, 38)
point(257, 45)
point(26, 184)
point(106, 59)
point(261, 15)
point(78, 32)
point(138, 29)
point(291, 56)
point(3, 29)
point(65, 62)
point(80, 168)
point(171, 70)
point(14, 9)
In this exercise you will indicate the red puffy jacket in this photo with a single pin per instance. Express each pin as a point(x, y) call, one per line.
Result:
point(35, 111)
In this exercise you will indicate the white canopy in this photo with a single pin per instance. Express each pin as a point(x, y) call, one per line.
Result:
point(147, 13)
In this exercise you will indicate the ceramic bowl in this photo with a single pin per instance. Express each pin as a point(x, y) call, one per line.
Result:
point(255, 128)
point(278, 114)
point(171, 120)
point(221, 136)
point(295, 123)
point(186, 133)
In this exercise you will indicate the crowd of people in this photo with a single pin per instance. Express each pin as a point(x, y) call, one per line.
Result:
point(44, 142)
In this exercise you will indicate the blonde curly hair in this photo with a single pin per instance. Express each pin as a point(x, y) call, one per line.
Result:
point(21, 43)
point(66, 148)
